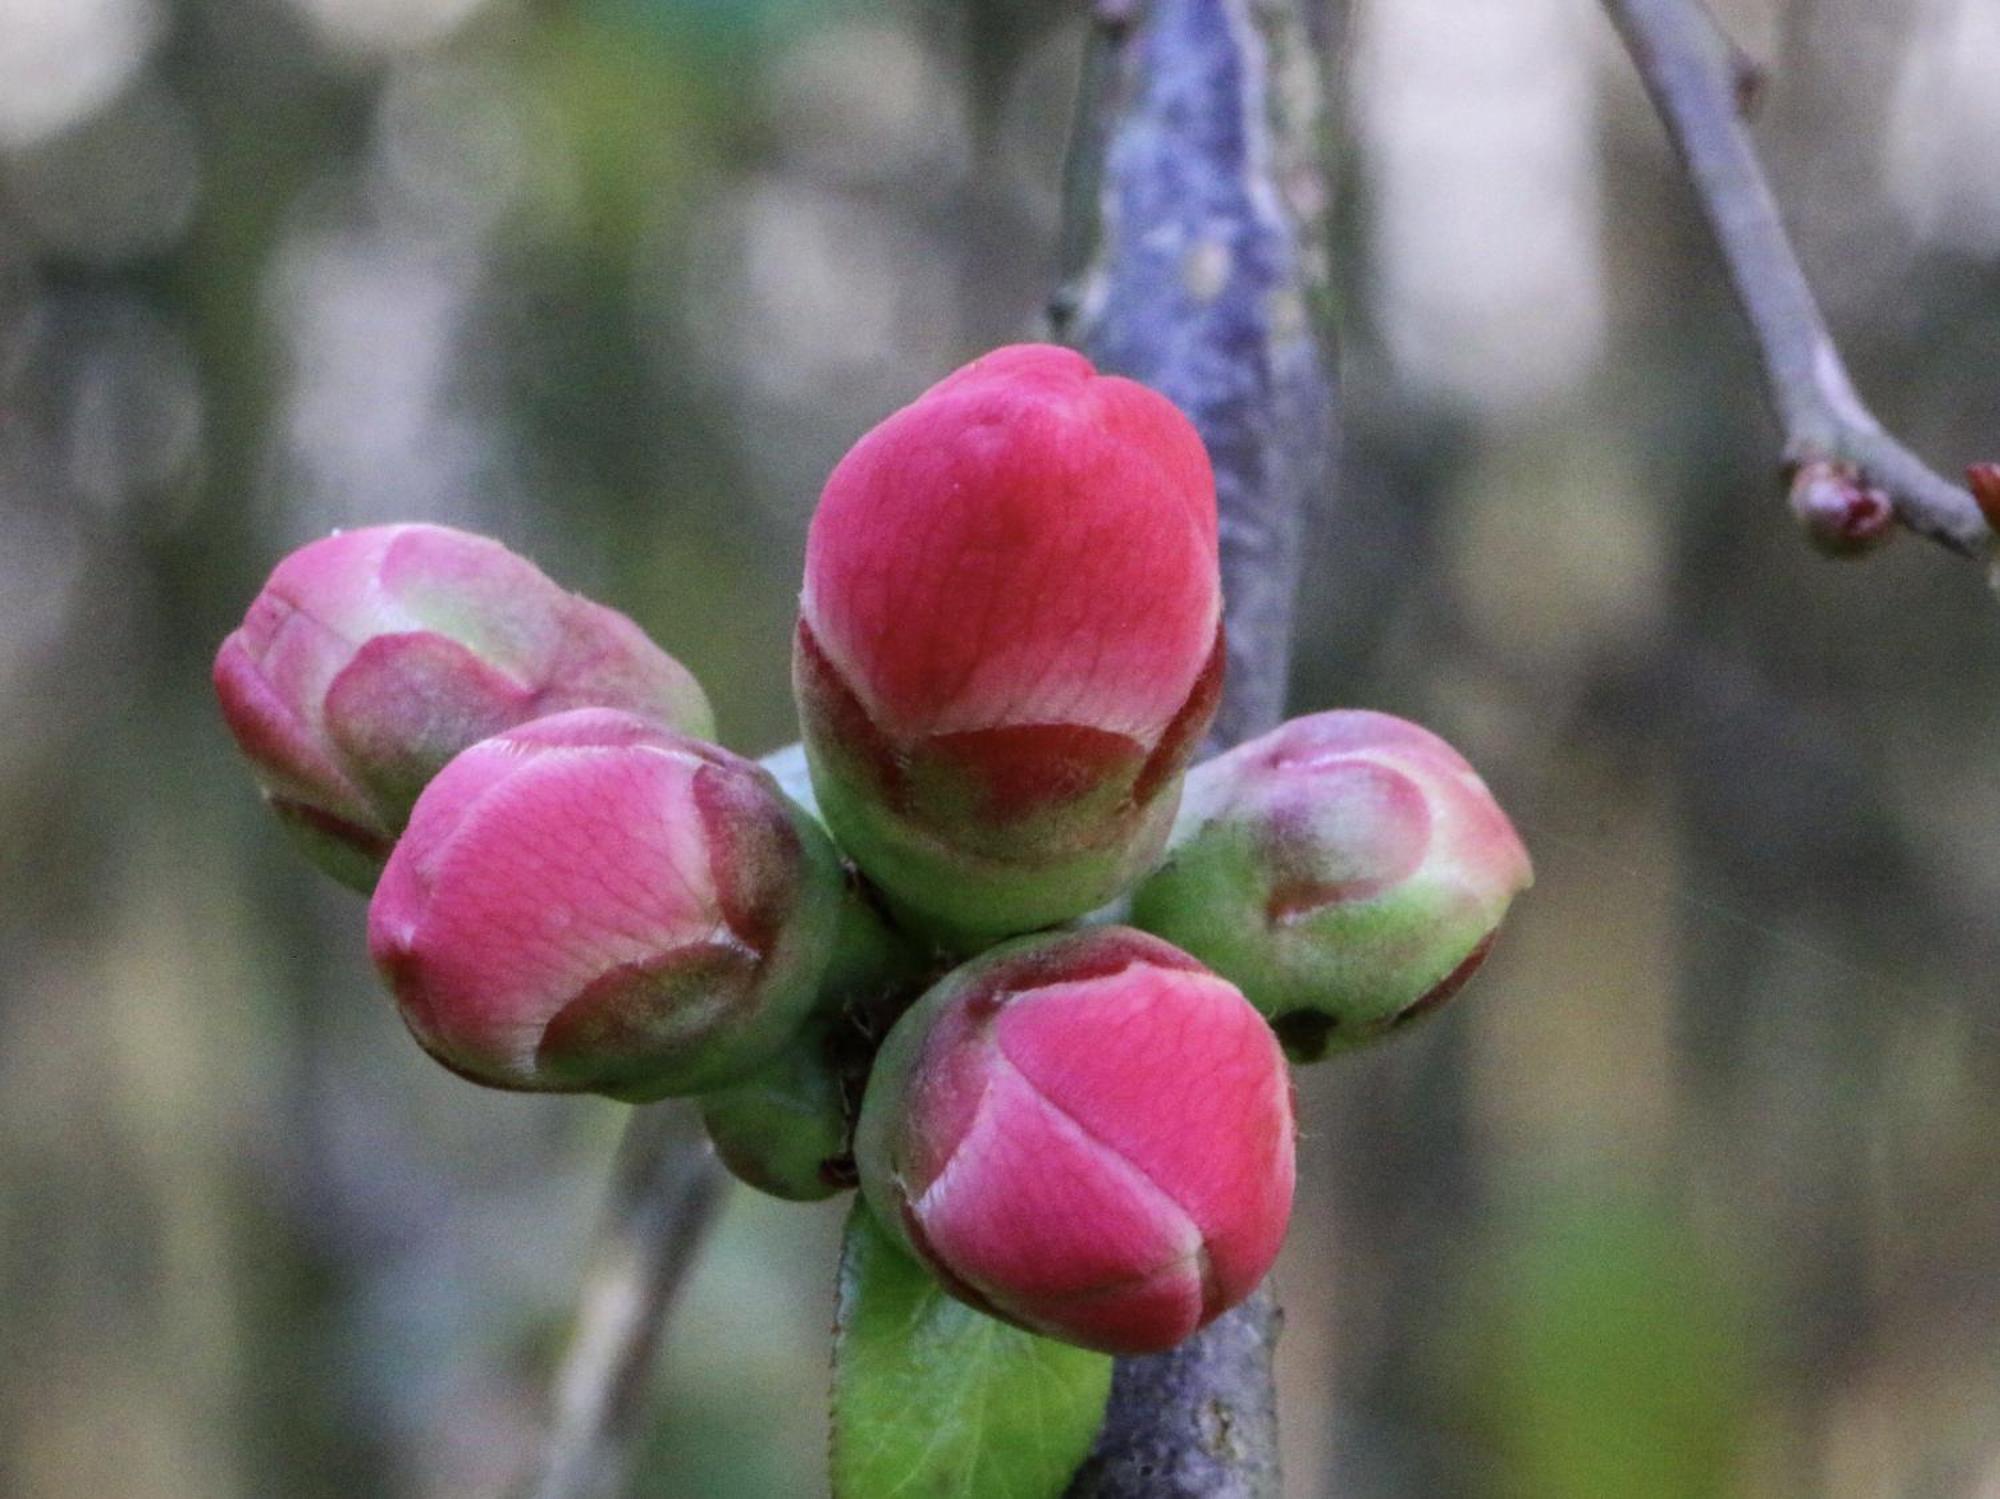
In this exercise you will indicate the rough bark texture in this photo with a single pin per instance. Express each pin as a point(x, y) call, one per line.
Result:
point(1202, 1419)
point(1206, 279)
point(1199, 158)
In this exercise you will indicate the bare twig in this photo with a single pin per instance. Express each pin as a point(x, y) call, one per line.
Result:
point(664, 1189)
point(1083, 168)
point(1192, 259)
point(1695, 77)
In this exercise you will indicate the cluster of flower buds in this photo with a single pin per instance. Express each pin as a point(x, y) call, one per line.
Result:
point(572, 890)
point(879, 964)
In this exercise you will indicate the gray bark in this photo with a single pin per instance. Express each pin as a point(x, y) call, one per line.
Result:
point(1196, 263)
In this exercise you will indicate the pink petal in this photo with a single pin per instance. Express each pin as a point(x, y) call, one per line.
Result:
point(1028, 543)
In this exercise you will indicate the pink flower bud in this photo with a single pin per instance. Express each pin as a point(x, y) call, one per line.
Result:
point(374, 656)
point(1348, 871)
point(1009, 640)
point(1087, 1134)
point(592, 903)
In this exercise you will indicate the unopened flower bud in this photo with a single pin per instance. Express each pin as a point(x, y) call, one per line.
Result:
point(1347, 871)
point(1087, 1134)
point(372, 657)
point(1840, 514)
point(787, 1129)
point(592, 903)
point(1983, 479)
point(1009, 641)
point(784, 1129)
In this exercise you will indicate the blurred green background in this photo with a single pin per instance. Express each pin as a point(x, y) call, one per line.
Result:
point(1697, 1193)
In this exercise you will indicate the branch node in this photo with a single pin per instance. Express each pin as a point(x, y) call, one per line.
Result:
point(1116, 16)
point(1983, 479)
point(1841, 514)
point(1697, 80)
point(1752, 81)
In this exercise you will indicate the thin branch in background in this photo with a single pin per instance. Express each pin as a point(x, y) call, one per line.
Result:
point(1080, 230)
point(1193, 259)
point(1696, 78)
point(665, 1186)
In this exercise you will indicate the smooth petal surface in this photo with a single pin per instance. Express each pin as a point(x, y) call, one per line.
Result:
point(1088, 1134)
point(371, 657)
point(1107, 1056)
point(1009, 641)
point(592, 901)
point(1348, 871)
point(1028, 543)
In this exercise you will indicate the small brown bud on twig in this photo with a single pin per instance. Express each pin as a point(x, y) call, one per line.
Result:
point(1842, 515)
point(1983, 479)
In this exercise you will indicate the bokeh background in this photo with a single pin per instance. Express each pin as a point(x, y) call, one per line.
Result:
point(1697, 1193)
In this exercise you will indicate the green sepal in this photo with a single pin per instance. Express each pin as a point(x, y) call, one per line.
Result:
point(933, 1400)
point(964, 898)
point(784, 1129)
point(1329, 980)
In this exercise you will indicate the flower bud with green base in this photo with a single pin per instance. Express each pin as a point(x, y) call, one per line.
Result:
point(372, 657)
point(1009, 642)
point(1087, 1134)
point(1347, 871)
point(592, 903)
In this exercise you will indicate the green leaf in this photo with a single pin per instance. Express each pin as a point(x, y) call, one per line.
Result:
point(932, 1400)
